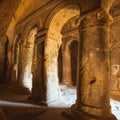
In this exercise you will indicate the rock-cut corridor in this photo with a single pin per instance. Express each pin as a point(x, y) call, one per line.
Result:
point(60, 59)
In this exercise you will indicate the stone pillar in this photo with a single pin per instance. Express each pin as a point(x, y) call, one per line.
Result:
point(10, 73)
point(24, 67)
point(52, 45)
point(94, 76)
point(39, 85)
point(25, 61)
point(35, 86)
point(45, 72)
point(16, 53)
point(94, 73)
point(66, 75)
point(12, 63)
point(93, 99)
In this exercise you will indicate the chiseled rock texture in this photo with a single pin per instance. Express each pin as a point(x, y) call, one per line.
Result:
point(7, 9)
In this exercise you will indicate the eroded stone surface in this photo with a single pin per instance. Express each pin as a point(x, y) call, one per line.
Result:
point(7, 11)
point(37, 62)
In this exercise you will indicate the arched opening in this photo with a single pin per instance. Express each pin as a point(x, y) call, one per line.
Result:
point(38, 89)
point(93, 71)
point(52, 50)
point(74, 56)
point(25, 60)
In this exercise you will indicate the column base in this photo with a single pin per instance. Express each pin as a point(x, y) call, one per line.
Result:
point(80, 115)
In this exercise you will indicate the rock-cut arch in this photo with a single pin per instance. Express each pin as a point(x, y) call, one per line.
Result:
point(52, 45)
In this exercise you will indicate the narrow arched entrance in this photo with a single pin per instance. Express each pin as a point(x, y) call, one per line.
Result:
point(16, 55)
point(74, 56)
point(60, 65)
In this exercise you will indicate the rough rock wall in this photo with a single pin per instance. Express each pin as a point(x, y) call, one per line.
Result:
point(115, 69)
point(115, 55)
point(7, 9)
point(3, 56)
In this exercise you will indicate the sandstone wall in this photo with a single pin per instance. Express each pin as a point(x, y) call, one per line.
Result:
point(3, 60)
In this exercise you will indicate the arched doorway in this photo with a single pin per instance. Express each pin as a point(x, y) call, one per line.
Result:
point(52, 45)
point(74, 56)
point(67, 69)
point(25, 60)
point(16, 55)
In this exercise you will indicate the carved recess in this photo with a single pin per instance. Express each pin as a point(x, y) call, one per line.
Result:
point(114, 35)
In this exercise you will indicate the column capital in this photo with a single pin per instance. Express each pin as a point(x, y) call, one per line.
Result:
point(96, 19)
point(101, 14)
point(53, 39)
point(54, 36)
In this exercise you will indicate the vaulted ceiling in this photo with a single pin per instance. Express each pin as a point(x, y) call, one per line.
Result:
point(16, 10)
point(27, 7)
point(7, 10)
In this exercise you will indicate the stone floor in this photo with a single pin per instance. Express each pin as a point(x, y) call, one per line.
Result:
point(18, 107)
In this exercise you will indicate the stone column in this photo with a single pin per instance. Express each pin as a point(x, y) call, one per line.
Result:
point(25, 61)
point(45, 71)
point(52, 45)
point(16, 53)
point(10, 72)
point(93, 99)
point(94, 73)
point(66, 75)
point(12, 63)
point(39, 84)
point(24, 67)
point(35, 86)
